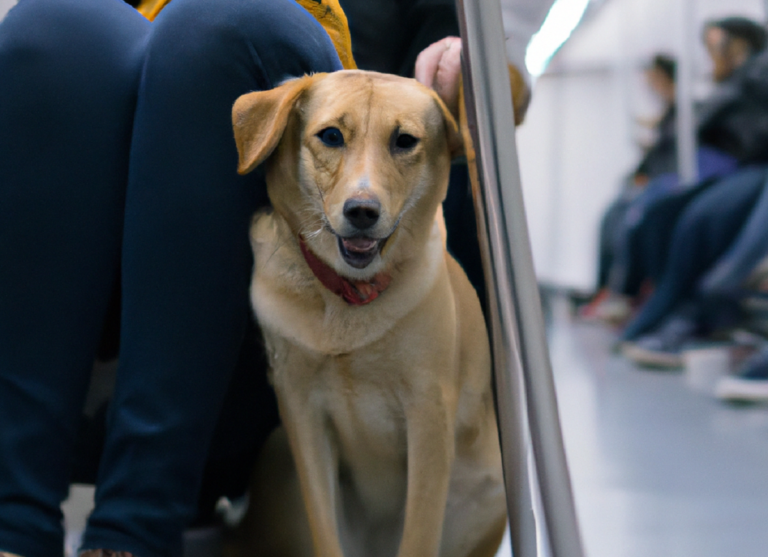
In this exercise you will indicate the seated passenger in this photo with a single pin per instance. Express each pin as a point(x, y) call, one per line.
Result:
point(677, 313)
point(720, 239)
point(660, 158)
point(733, 131)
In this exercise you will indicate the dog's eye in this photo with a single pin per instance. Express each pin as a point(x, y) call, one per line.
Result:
point(331, 137)
point(406, 141)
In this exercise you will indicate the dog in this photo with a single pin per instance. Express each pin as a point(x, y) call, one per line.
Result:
point(378, 351)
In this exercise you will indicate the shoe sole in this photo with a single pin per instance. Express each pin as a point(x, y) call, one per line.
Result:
point(742, 390)
point(649, 358)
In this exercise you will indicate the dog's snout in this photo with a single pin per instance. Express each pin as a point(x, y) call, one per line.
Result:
point(362, 213)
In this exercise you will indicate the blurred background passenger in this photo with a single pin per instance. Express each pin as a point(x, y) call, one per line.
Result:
point(720, 226)
point(733, 119)
point(733, 133)
point(660, 157)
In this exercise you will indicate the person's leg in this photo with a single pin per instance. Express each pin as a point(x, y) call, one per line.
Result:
point(654, 234)
point(705, 230)
point(626, 274)
point(620, 277)
point(186, 256)
point(246, 421)
point(751, 246)
point(69, 71)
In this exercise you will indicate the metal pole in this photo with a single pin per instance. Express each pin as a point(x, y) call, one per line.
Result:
point(521, 357)
point(686, 126)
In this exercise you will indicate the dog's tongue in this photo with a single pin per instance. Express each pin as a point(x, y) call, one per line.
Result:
point(359, 245)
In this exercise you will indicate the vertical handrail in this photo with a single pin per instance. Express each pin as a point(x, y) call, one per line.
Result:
point(526, 402)
point(684, 75)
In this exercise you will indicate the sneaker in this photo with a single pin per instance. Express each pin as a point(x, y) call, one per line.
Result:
point(738, 389)
point(750, 384)
point(662, 348)
point(607, 307)
point(646, 352)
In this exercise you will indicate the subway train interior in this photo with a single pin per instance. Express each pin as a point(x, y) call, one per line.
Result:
point(642, 161)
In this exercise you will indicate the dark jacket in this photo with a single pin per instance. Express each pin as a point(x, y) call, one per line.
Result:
point(388, 35)
point(661, 157)
point(735, 118)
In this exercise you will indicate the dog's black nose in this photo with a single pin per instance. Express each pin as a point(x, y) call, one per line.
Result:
point(362, 213)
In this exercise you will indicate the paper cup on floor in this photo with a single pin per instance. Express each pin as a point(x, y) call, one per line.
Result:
point(704, 367)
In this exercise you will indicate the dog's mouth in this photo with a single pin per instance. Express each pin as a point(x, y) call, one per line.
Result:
point(360, 251)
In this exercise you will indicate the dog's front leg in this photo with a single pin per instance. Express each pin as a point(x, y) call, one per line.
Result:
point(430, 433)
point(316, 464)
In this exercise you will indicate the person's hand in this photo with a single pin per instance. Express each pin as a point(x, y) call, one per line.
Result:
point(439, 67)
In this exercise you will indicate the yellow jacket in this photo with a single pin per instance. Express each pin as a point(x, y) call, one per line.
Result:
point(327, 12)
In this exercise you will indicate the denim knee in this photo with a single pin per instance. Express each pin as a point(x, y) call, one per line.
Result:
point(265, 40)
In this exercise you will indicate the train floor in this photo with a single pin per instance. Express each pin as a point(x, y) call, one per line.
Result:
point(658, 468)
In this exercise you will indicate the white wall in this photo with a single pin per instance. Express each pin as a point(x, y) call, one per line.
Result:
point(581, 133)
point(5, 5)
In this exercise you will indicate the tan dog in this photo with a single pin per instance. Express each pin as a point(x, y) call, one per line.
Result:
point(378, 349)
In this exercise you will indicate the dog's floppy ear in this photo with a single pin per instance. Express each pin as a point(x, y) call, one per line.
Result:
point(455, 141)
point(259, 120)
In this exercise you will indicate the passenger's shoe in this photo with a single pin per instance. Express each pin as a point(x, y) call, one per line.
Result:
point(738, 389)
point(662, 348)
point(105, 553)
point(646, 352)
point(607, 307)
point(750, 384)
point(6, 554)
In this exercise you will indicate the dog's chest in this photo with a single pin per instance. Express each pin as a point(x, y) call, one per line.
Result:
point(356, 398)
point(359, 398)
point(367, 422)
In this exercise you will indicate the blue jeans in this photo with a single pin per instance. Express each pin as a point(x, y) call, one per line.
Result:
point(640, 219)
point(727, 276)
point(72, 71)
point(706, 228)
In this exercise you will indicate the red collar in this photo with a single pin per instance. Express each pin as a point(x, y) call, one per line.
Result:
point(354, 292)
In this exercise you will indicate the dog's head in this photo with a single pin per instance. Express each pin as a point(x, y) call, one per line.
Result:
point(358, 162)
